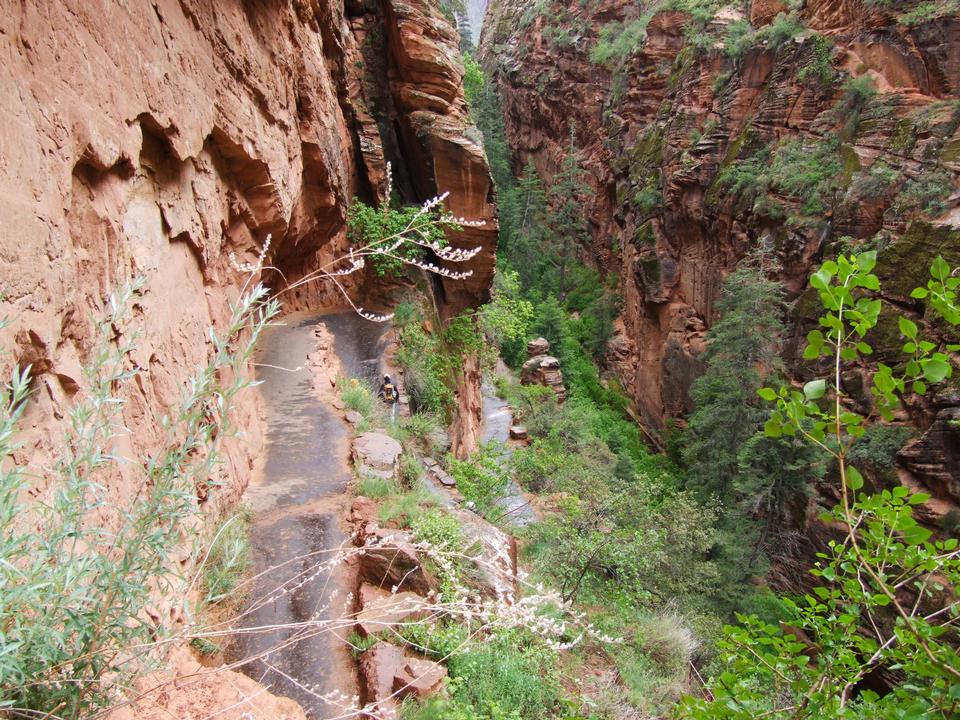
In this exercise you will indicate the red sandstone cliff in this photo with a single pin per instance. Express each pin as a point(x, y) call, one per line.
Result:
point(155, 138)
point(656, 132)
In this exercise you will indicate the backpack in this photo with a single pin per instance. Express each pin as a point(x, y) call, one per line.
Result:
point(389, 392)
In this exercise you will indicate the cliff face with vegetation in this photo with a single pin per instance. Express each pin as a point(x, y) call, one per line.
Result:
point(712, 131)
point(158, 139)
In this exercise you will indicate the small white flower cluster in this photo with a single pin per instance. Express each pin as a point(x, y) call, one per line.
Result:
point(250, 268)
point(374, 317)
point(437, 270)
point(453, 254)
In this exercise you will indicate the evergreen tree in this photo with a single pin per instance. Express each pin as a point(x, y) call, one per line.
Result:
point(742, 347)
point(566, 222)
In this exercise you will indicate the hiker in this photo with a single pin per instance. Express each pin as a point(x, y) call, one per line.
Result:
point(388, 391)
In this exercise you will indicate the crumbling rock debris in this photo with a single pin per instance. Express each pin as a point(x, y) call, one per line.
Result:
point(390, 674)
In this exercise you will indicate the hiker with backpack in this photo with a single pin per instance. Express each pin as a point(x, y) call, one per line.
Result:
point(389, 394)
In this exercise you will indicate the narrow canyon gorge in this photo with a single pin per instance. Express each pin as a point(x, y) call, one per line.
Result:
point(480, 359)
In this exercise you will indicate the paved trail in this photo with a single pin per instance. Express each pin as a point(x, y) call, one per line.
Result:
point(297, 506)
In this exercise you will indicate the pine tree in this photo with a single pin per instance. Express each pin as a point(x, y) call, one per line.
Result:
point(566, 222)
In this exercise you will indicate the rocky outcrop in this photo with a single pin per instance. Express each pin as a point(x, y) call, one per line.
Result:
point(658, 128)
point(543, 369)
point(160, 139)
point(376, 454)
point(389, 675)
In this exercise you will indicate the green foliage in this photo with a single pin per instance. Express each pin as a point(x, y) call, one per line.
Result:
point(376, 487)
point(506, 678)
point(439, 529)
point(411, 470)
point(877, 449)
point(726, 455)
point(359, 644)
point(506, 319)
point(872, 606)
point(227, 559)
point(820, 68)
point(927, 11)
point(357, 396)
point(926, 194)
point(618, 41)
point(431, 360)
point(809, 172)
point(481, 478)
point(72, 610)
point(473, 80)
point(382, 229)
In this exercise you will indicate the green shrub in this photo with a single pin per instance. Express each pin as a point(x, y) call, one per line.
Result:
point(228, 558)
point(376, 487)
point(439, 529)
point(75, 595)
point(357, 396)
point(411, 471)
point(617, 41)
point(481, 478)
point(926, 194)
point(359, 644)
point(504, 678)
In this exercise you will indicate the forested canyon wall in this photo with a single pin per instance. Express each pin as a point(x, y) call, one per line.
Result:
point(711, 131)
point(155, 139)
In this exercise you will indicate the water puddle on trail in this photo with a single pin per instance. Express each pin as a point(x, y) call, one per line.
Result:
point(297, 505)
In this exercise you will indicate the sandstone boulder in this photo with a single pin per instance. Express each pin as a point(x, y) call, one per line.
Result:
point(390, 561)
point(518, 432)
point(377, 454)
point(381, 610)
point(389, 675)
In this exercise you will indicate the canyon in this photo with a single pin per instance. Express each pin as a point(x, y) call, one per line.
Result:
point(530, 538)
point(660, 127)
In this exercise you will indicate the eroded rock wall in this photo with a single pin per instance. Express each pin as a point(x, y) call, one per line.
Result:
point(154, 139)
point(657, 131)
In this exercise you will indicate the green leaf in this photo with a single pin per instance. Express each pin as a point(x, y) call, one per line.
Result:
point(772, 428)
point(919, 293)
point(939, 269)
point(919, 387)
point(935, 370)
point(867, 260)
point(854, 478)
point(908, 328)
point(768, 394)
point(916, 535)
point(918, 498)
point(864, 349)
point(815, 389)
point(870, 282)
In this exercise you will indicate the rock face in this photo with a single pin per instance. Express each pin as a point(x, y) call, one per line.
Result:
point(157, 139)
point(187, 689)
point(673, 135)
point(543, 369)
point(657, 132)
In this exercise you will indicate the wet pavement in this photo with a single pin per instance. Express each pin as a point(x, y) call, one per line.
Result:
point(497, 419)
point(296, 503)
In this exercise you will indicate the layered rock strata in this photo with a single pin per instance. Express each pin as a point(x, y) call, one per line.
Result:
point(160, 139)
point(683, 137)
